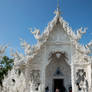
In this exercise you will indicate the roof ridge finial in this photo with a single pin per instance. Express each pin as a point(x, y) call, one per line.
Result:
point(58, 7)
point(58, 12)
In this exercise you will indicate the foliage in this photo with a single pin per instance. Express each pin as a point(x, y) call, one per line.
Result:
point(6, 64)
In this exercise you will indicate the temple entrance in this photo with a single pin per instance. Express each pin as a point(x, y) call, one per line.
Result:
point(58, 84)
point(57, 73)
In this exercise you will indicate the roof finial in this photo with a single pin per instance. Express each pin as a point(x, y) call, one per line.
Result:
point(57, 12)
point(58, 7)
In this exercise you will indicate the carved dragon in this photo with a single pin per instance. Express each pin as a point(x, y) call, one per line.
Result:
point(27, 47)
point(80, 33)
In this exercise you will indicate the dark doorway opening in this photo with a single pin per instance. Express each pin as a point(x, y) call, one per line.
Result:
point(59, 84)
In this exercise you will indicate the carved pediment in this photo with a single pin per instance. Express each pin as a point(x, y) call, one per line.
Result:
point(58, 34)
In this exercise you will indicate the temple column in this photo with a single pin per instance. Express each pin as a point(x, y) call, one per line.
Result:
point(73, 78)
point(44, 69)
point(27, 79)
point(73, 70)
point(43, 80)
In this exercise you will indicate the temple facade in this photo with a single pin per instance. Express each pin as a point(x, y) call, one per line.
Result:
point(57, 61)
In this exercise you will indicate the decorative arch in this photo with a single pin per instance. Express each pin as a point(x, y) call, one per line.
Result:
point(57, 68)
point(58, 56)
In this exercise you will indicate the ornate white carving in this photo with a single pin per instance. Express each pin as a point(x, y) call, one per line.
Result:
point(80, 33)
point(19, 59)
point(36, 33)
point(74, 37)
point(82, 82)
point(27, 47)
point(14, 82)
point(80, 55)
point(35, 80)
point(89, 46)
point(2, 50)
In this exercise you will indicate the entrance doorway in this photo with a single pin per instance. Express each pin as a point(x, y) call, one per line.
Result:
point(59, 84)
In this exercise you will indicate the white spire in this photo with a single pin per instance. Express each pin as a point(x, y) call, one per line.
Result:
point(58, 12)
point(58, 7)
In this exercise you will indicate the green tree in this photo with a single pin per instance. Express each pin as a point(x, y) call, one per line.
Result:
point(6, 64)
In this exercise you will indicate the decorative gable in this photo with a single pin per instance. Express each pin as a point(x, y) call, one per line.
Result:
point(59, 31)
point(58, 34)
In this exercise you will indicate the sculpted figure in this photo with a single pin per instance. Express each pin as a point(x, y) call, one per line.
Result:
point(81, 81)
point(27, 47)
point(17, 56)
point(80, 33)
point(89, 46)
point(85, 85)
point(19, 59)
point(36, 33)
point(14, 82)
point(35, 81)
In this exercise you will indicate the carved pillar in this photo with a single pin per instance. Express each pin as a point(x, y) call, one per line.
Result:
point(72, 69)
point(44, 70)
point(73, 77)
point(27, 79)
point(89, 71)
point(43, 80)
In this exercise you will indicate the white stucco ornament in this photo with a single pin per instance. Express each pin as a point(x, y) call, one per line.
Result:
point(19, 59)
point(36, 33)
point(58, 55)
point(57, 51)
point(2, 50)
point(80, 33)
point(27, 47)
point(14, 82)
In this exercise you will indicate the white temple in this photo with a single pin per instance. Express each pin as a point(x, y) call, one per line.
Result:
point(56, 61)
